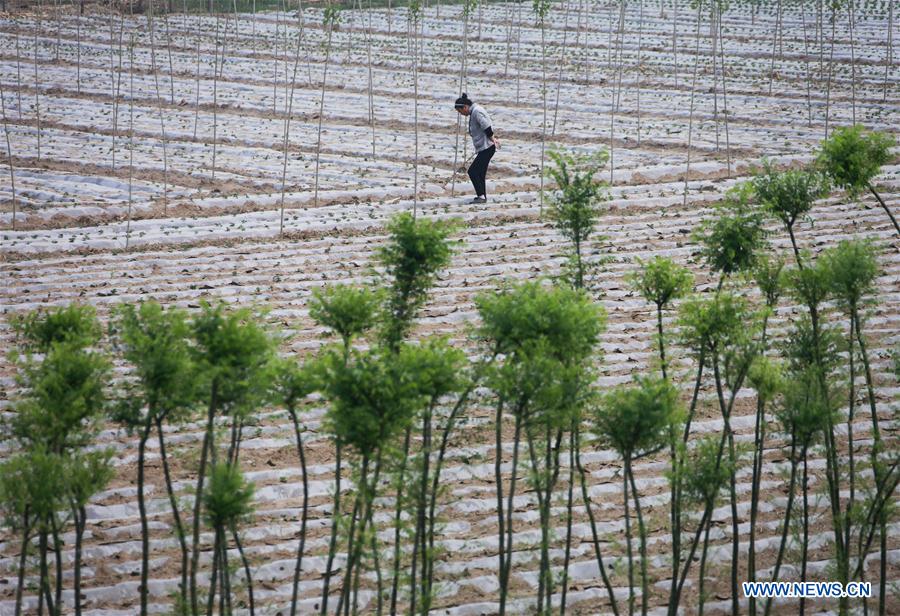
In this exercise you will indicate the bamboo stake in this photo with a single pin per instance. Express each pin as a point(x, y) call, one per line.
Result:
point(162, 122)
point(287, 118)
point(12, 175)
point(130, 136)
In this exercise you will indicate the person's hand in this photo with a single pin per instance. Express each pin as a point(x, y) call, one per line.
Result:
point(496, 142)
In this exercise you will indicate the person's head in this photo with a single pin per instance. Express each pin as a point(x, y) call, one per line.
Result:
point(463, 105)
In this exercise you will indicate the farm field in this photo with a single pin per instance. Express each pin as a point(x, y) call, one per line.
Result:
point(150, 157)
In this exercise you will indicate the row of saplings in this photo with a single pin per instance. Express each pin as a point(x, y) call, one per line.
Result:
point(394, 406)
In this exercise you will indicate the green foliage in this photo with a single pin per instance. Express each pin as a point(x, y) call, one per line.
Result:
point(468, 7)
point(769, 277)
point(373, 397)
point(635, 419)
point(808, 347)
point(711, 324)
point(32, 481)
point(766, 376)
point(64, 396)
point(87, 473)
point(74, 324)
point(734, 235)
point(291, 382)
point(228, 497)
point(541, 8)
point(806, 410)
point(574, 204)
point(234, 352)
point(852, 156)
point(345, 310)
point(418, 248)
point(660, 280)
point(155, 341)
point(566, 320)
point(708, 471)
point(810, 285)
point(790, 194)
point(331, 17)
point(546, 335)
point(439, 367)
point(852, 268)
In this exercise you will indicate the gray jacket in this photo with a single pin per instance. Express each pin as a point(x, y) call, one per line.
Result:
point(479, 120)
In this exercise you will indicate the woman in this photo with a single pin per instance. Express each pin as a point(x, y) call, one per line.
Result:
point(484, 141)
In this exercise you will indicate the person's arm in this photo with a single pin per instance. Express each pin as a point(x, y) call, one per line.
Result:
point(485, 122)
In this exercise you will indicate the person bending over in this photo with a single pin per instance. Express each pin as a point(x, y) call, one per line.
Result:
point(484, 141)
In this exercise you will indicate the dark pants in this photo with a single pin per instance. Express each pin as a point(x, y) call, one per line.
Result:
point(478, 170)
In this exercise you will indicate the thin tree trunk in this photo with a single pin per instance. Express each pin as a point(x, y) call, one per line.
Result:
point(806, 61)
point(45, 574)
point(176, 515)
point(638, 69)
point(787, 520)
point(305, 510)
point(398, 510)
point(80, 520)
point(701, 590)
point(504, 574)
point(628, 548)
point(208, 450)
point(642, 537)
point(569, 502)
point(210, 600)
point(830, 72)
point(246, 564)
point(23, 553)
point(498, 481)
point(142, 510)
point(884, 206)
point(594, 534)
point(804, 547)
point(335, 512)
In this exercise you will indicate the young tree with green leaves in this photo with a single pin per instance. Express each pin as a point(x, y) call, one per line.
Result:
point(789, 195)
point(811, 287)
point(349, 313)
point(32, 491)
point(661, 281)
point(636, 421)
point(291, 384)
point(575, 204)
point(227, 501)
point(440, 373)
point(733, 237)
point(154, 341)
point(702, 486)
point(372, 398)
point(233, 353)
point(63, 380)
point(765, 377)
point(853, 267)
point(852, 157)
point(416, 251)
point(545, 334)
point(723, 329)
